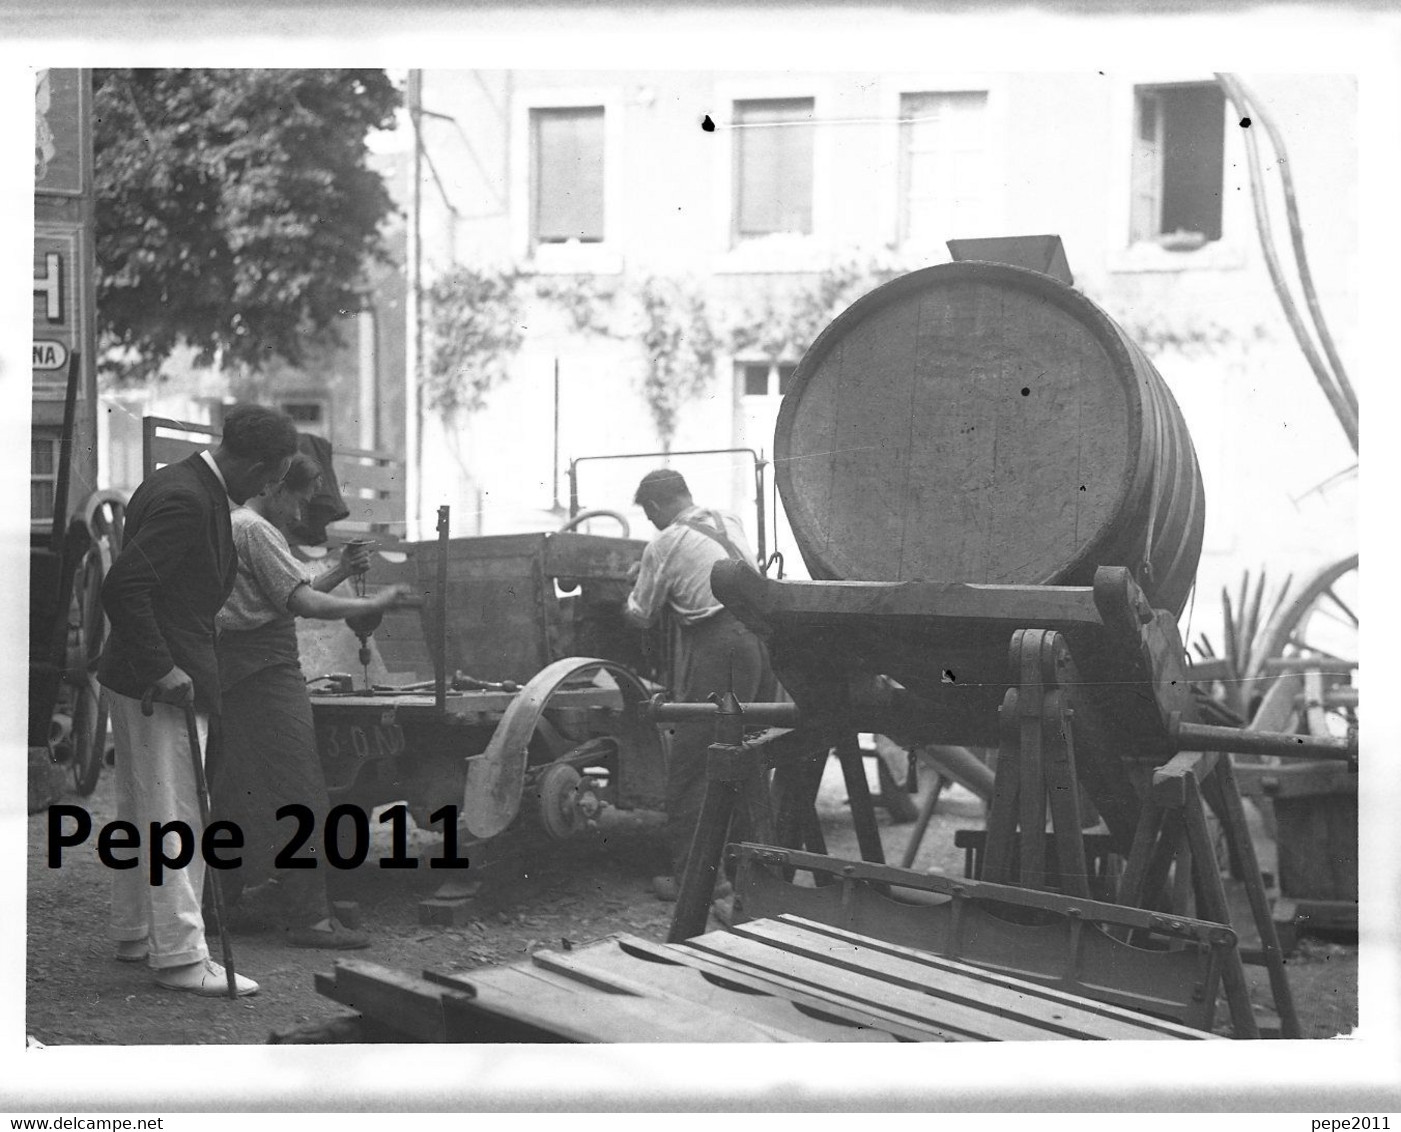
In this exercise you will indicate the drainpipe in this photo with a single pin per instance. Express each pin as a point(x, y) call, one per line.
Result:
point(413, 393)
point(369, 377)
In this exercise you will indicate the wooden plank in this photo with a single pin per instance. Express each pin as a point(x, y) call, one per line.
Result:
point(527, 1002)
point(405, 1002)
point(930, 960)
point(780, 985)
point(1074, 956)
point(1296, 780)
point(897, 878)
point(519, 979)
point(583, 1015)
point(672, 985)
point(851, 983)
point(1018, 1002)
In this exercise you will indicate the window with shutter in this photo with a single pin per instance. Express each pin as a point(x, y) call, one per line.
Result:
point(43, 472)
point(1178, 164)
point(943, 165)
point(773, 167)
point(567, 175)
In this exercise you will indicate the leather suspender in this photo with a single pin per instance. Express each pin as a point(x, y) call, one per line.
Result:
point(718, 535)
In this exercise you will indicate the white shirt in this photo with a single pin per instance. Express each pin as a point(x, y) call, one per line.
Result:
point(676, 568)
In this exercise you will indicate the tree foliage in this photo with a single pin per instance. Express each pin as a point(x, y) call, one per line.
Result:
point(235, 210)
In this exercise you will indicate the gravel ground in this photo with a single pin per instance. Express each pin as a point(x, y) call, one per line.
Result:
point(580, 891)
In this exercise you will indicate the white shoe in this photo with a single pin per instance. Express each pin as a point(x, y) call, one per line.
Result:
point(206, 978)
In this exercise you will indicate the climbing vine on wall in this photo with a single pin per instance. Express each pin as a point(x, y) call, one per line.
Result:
point(679, 346)
point(473, 321)
point(475, 317)
point(589, 305)
point(784, 322)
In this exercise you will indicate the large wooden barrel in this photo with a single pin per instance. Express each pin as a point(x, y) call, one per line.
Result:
point(976, 422)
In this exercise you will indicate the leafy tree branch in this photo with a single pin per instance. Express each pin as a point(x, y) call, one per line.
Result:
point(236, 211)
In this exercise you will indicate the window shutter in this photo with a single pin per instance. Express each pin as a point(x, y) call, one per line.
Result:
point(568, 174)
point(943, 174)
point(1145, 202)
point(774, 166)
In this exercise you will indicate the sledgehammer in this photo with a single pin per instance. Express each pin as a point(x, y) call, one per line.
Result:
point(202, 790)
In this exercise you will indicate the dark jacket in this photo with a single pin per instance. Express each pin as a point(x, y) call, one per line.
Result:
point(176, 569)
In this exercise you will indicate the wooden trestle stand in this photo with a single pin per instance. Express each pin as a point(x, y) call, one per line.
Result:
point(1089, 693)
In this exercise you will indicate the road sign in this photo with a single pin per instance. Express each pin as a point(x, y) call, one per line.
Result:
point(50, 355)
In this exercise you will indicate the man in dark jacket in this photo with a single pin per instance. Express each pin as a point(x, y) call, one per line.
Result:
point(175, 571)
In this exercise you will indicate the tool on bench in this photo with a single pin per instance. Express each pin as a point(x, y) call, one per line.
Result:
point(460, 682)
point(202, 790)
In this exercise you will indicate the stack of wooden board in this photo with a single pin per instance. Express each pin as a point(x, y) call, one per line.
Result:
point(776, 980)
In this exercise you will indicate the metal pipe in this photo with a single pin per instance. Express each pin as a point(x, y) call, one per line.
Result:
point(1347, 417)
point(1204, 737)
point(759, 464)
point(1296, 234)
point(368, 319)
point(555, 479)
point(763, 714)
point(440, 674)
point(413, 400)
point(65, 455)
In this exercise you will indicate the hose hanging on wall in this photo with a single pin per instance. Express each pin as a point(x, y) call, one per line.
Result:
point(1334, 382)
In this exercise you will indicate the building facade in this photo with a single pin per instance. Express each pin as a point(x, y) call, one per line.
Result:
point(765, 194)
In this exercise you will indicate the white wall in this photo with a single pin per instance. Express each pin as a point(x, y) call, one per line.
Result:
point(1059, 150)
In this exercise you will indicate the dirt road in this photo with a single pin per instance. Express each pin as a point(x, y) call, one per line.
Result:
point(579, 891)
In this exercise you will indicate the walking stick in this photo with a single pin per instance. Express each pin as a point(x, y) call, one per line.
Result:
point(202, 790)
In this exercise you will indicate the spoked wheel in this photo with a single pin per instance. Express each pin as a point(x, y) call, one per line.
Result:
point(87, 632)
point(1310, 649)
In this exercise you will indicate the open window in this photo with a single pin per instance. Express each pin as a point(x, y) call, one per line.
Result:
point(566, 175)
point(1178, 165)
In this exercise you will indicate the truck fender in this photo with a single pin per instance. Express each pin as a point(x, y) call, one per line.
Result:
point(496, 777)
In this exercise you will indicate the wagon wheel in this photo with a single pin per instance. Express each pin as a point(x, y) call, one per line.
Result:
point(105, 514)
point(1317, 630)
point(87, 632)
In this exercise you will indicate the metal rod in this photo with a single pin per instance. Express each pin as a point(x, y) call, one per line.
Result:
point(440, 675)
point(759, 466)
point(65, 455)
point(413, 401)
point(555, 479)
point(211, 874)
point(767, 715)
point(1203, 737)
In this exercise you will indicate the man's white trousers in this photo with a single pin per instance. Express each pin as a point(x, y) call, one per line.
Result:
point(155, 782)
